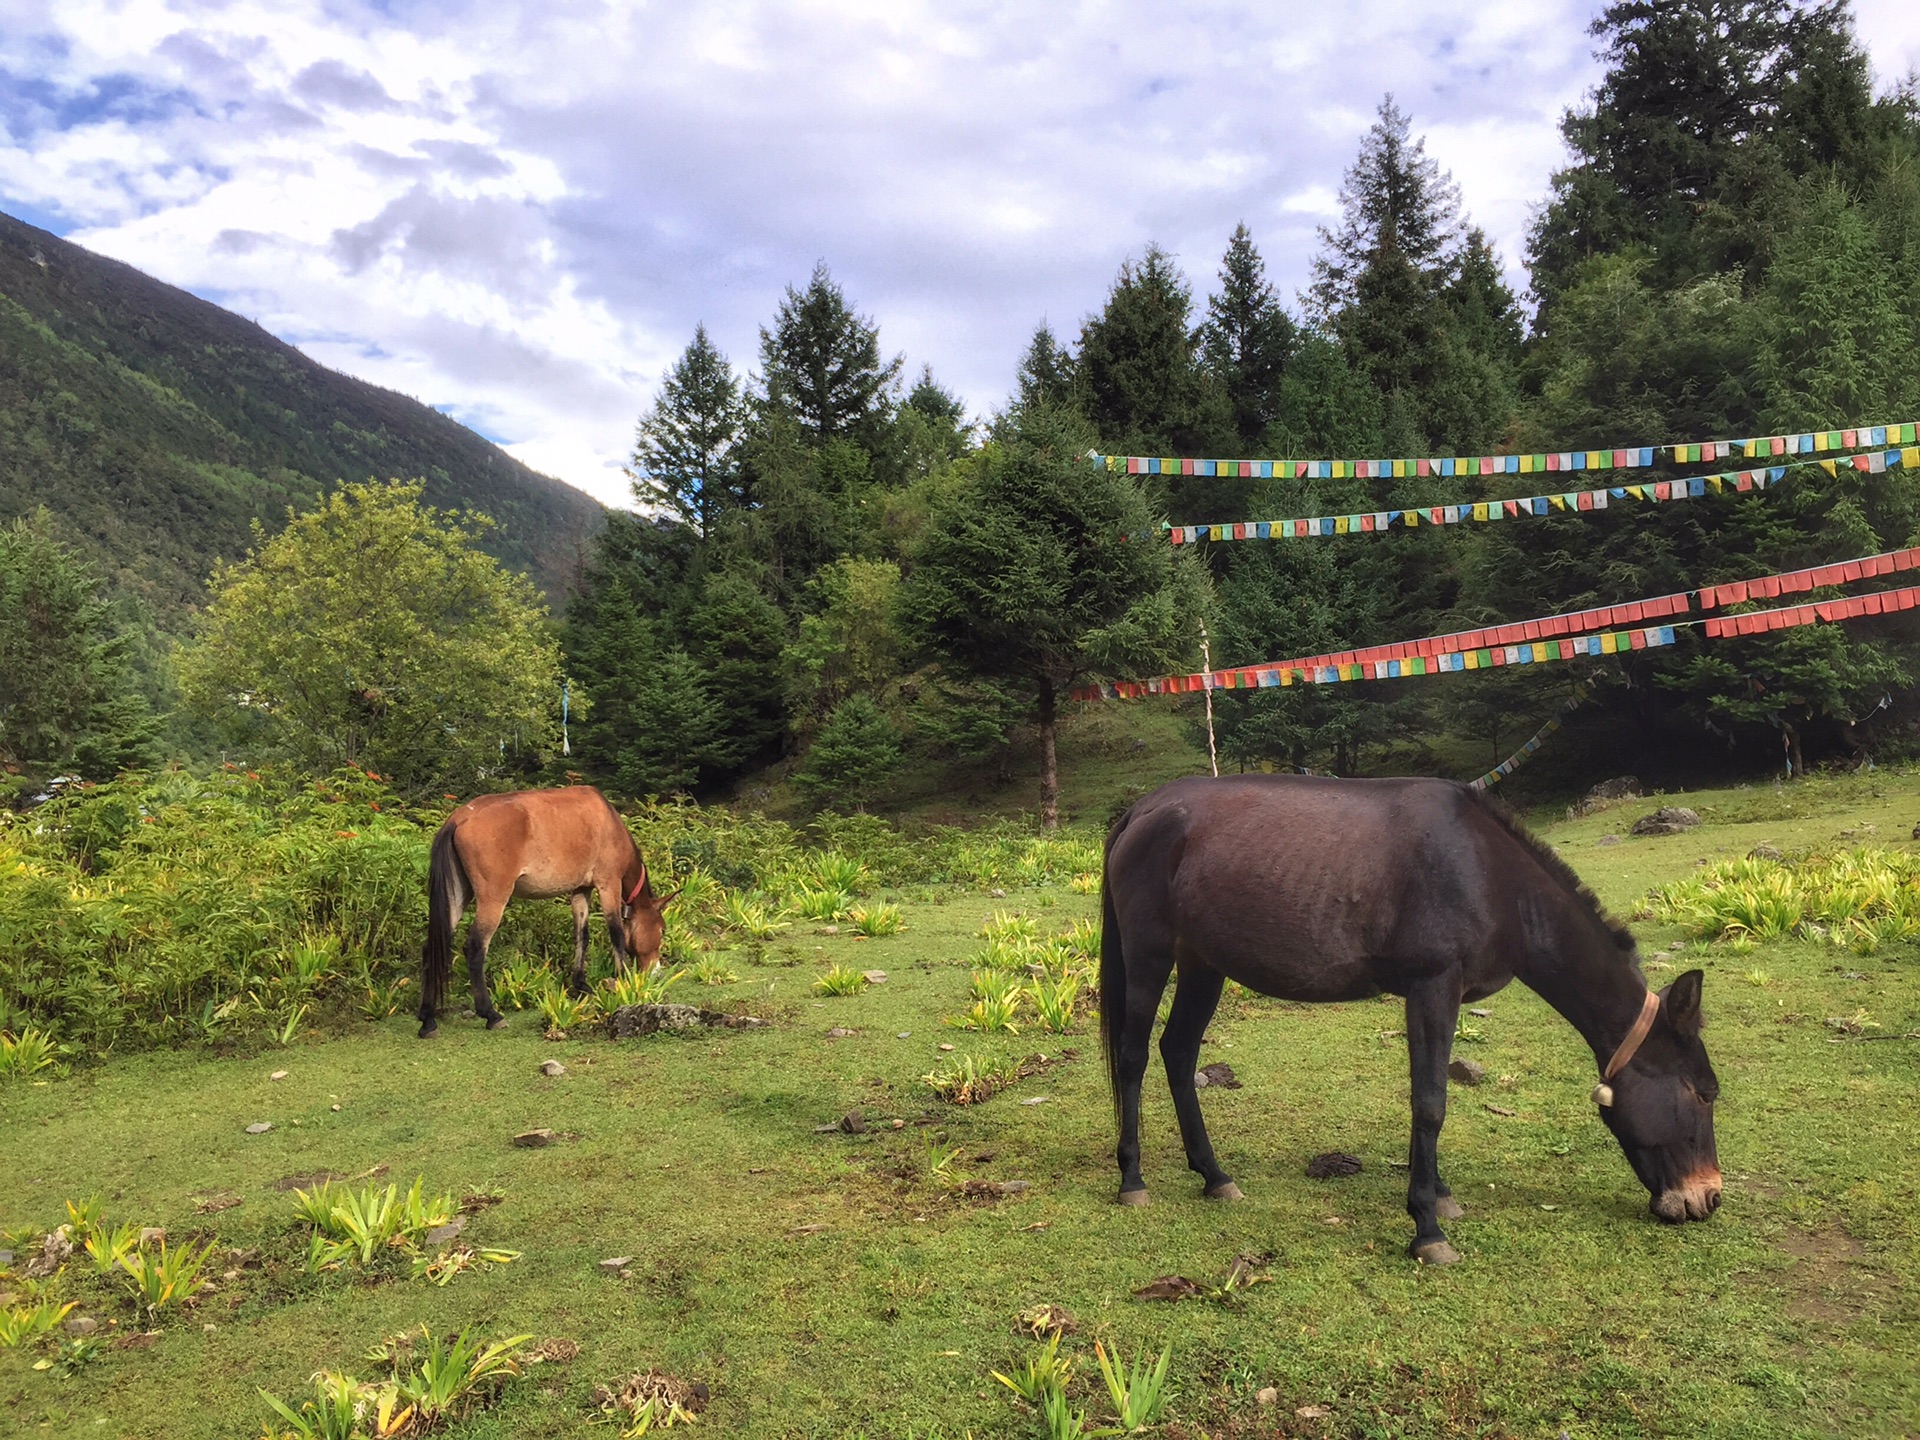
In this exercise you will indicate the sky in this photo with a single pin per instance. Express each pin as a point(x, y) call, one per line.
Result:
point(518, 213)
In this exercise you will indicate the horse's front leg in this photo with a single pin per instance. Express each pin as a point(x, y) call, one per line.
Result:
point(486, 920)
point(1130, 1069)
point(1433, 1011)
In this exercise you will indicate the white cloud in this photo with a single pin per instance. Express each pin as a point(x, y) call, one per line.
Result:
point(519, 212)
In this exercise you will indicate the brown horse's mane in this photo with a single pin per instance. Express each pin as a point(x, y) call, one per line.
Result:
point(1551, 862)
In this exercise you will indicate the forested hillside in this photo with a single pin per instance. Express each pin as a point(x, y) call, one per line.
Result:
point(156, 426)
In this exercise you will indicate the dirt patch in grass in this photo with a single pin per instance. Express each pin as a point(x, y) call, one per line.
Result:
point(1830, 1276)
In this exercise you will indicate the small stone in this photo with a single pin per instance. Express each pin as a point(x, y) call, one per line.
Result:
point(874, 977)
point(838, 1032)
point(616, 1265)
point(209, 1327)
point(534, 1139)
point(1667, 820)
point(1313, 1412)
point(81, 1325)
point(829, 930)
point(1502, 1110)
point(1467, 1072)
point(1764, 851)
point(997, 893)
point(259, 1127)
point(334, 1108)
point(1481, 1011)
point(153, 1235)
point(854, 1123)
point(904, 1035)
point(441, 1234)
point(899, 1124)
point(278, 1075)
point(1266, 1395)
point(945, 1046)
point(1608, 840)
point(1036, 1100)
point(552, 1069)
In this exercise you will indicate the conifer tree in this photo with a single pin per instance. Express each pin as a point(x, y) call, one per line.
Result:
point(686, 459)
point(822, 362)
point(1046, 374)
point(1247, 339)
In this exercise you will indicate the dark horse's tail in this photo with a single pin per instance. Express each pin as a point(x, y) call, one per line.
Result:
point(1113, 968)
point(436, 960)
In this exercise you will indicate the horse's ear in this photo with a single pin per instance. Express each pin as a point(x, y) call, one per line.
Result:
point(1682, 1002)
point(662, 902)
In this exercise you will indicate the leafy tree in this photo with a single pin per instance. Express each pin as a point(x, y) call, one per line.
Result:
point(822, 362)
point(1031, 576)
point(686, 460)
point(848, 645)
point(372, 632)
point(67, 701)
point(1247, 339)
point(853, 754)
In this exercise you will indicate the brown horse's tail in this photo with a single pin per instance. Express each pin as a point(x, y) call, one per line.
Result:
point(1113, 970)
point(444, 873)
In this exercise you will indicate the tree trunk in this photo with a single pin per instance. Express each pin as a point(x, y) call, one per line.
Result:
point(1049, 760)
point(1799, 760)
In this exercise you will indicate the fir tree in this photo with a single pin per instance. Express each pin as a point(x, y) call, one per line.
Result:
point(853, 754)
point(1247, 339)
point(686, 459)
point(1045, 376)
point(822, 362)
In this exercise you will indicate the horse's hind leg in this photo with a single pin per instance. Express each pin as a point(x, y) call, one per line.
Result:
point(1196, 994)
point(1146, 980)
point(486, 920)
point(577, 983)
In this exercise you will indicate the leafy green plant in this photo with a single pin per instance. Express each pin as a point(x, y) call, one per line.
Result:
point(27, 1053)
point(968, 1079)
point(1140, 1393)
point(24, 1323)
point(518, 983)
point(939, 1158)
point(751, 915)
point(1087, 882)
point(1053, 1002)
point(107, 1248)
point(332, 1412)
point(830, 870)
point(1006, 925)
point(877, 920)
point(996, 1001)
point(712, 970)
point(823, 905)
point(560, 1010)
point(453, 1375)
point(357, 1225)
point(166, 1278)
point(1044, 1373)
point(840, 980)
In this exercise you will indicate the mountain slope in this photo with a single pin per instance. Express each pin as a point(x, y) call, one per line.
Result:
point(156, 426)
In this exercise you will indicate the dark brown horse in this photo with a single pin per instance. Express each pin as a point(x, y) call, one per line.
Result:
point(1317, 889)
point(533, 844)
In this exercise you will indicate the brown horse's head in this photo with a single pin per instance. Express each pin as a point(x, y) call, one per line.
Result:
point(645, 927)
point(1661, 1110)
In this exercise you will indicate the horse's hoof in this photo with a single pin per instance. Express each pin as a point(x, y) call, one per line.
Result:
point(1436, 1252)
point(1225, 1190)
point(1134, 1197)
point(497, 1022)
point(1448, 1208)
point(429, 1030)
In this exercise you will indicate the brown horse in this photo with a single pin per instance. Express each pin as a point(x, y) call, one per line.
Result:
point(1317, 889)
point(533, 844)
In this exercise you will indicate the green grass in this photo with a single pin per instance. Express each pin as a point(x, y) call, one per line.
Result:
point(836, 1284)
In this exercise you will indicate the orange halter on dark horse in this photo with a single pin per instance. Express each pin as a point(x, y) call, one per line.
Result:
point(534, 844)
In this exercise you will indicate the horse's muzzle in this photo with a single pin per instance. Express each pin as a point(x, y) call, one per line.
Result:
point(1694, 1198)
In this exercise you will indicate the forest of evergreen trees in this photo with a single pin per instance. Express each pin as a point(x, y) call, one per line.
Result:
point(836, 564)
point(835, 568)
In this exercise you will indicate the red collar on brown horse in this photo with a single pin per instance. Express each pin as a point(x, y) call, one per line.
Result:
point(534, 844)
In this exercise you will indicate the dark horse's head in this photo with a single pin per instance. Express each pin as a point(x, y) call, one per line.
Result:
point(1661, 1109)
point(645, 926)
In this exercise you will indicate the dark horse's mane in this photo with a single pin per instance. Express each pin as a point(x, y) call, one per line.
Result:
point(1550, 861)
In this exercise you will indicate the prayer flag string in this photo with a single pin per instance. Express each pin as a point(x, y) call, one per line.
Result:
point(1631, 457)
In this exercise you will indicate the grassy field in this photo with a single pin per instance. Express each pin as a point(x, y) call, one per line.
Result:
point(832, 1284)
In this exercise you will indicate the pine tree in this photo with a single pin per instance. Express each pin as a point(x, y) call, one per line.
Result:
point(853, 754)
point(1138, 377)
point(1247, 339)
point(686, 458)
point(822, 362)
point(1046, 375)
